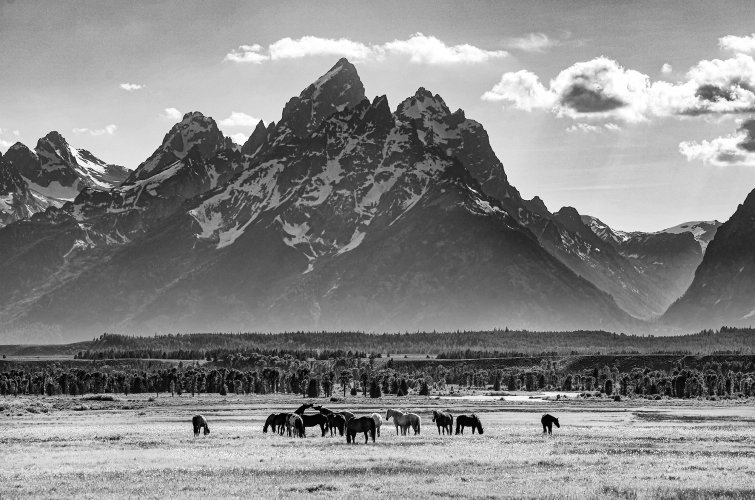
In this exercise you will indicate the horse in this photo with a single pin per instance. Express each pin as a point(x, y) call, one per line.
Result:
point(276, 421)
point(444, 421)
point(361, 424)
point(300, 410)
point(198, 421)
point(325, 411)
point(378, 422)
point(316, 419)
point(296, 424)
point(468, 420)
point(336, 421)
point(548, 421)
point(404, 420)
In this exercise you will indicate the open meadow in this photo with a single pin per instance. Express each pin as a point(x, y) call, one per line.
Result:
point(139, 446)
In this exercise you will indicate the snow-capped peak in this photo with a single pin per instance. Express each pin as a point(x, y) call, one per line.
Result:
point(703, 231)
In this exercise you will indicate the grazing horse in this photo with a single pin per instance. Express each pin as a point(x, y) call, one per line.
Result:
point(378, 422)
point(198, 421)
point(404, 420)
point(336, 421)
point(295, 426)
point(361, 424)
point(548, 421)
point(444, 421)
point(468, 420)
point(316, 419)
point(276, 421)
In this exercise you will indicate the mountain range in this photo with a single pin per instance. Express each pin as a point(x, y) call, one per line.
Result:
point(345, 214)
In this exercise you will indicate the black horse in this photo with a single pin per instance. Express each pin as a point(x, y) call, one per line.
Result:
point(548, 421)
point(346, 414)
point(316, 419)
point(468, 420)
point(361, 424)
point(276, 421)
point(300, 410)
point(198, 421)
point(336, 422)
point(444, 421)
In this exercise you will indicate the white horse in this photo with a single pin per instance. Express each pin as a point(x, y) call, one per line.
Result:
point(378, 422)
point(404, 420)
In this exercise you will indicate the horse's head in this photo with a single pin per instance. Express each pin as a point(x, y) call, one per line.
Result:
point(388, 414)
point(435, 415)
point(206, 429)
point(555, 421)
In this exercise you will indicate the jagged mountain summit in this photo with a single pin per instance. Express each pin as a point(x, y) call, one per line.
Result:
point(723, 289)
point(51, 175)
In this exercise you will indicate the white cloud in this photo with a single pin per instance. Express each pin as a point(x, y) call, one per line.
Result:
point(239, 119)
point(612, 127)
point(130, 87)
point(5, 144)
point(602, 89)
point(720, 152)
point(430, 50)
point(737, 149)
point(171, 114)
point(16, 133)
point(533, 42)
point(522, 89)
point(239, 139)
point(593, 129)
point(666, 68)
point(107, 130)
point(599, 88)
point(306, 46)
point(246, 54)
point(419, 48)
point(741, 44)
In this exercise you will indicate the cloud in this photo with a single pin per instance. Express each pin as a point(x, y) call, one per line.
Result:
point(733, 150)
point(419, 48)
point(430, 50)
point(666, 68)
point(602, 89)
point(239, 119)
point(239, 139)
point(593, 129)
point(130, 87)
point(740, 44)
point(599, 88)
point(533, 42)
point(171, 114)
point(5, 144)
point(246, 54)
point(107, 130)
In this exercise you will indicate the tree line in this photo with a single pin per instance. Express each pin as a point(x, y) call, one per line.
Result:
point(265, 374)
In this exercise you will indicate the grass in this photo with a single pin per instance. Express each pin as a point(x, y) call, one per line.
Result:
point(602, 450)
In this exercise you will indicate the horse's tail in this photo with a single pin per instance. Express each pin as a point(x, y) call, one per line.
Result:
point(419, 423)
point(373, 427)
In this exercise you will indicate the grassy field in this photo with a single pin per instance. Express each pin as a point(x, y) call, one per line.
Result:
point(66, 447)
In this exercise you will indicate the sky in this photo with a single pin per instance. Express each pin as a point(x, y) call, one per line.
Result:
point(639, 113)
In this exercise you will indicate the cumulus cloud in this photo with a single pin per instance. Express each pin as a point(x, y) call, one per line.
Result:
point(418, 48)
point(741, 44)
point(533, 42)
point(666, 68)
point(733, 150)
point(171, 114)
point(239, 138)
point(239, 119)
point(107, 130)
point(599, 88)
point(130, 87)
point(593, 129)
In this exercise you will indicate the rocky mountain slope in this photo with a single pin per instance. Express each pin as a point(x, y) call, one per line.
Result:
point(723, 289)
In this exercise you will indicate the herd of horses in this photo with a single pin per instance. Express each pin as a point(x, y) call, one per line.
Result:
point(345, 422)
